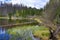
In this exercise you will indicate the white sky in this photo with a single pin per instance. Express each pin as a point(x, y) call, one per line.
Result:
point(30, 3)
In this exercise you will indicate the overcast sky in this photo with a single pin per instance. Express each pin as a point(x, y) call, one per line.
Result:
point(30, 3)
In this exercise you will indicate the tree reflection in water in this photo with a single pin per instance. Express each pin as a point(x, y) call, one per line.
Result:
point(3, 34)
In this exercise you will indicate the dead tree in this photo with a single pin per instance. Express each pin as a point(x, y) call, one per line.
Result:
point(48, 17)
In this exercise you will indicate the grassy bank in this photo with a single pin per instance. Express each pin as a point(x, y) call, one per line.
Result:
point(38, 31)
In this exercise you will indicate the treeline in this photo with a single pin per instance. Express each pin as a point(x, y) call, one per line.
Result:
point(25, 11)
point(18, 10)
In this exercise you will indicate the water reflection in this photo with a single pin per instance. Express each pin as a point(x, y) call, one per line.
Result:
point(2, 30)
point(3, 34)
point(6, 21)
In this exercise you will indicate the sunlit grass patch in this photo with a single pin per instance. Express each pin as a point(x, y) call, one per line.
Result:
point(38, 31)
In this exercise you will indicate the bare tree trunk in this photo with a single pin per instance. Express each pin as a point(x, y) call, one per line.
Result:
point(52, 36)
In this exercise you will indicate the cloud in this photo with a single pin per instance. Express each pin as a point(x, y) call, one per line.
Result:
point(30, 3)
point(35, 3)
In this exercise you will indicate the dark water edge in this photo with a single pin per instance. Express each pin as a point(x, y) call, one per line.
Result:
point(7, 21)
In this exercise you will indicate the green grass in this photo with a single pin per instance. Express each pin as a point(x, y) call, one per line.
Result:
point(38, 31)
